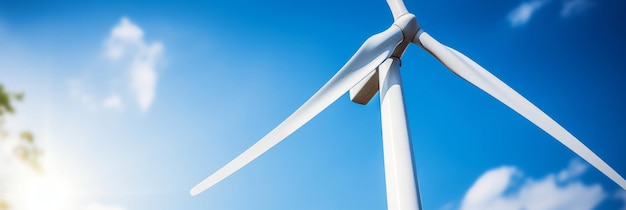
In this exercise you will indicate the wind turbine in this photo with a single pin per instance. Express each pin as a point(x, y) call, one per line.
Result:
point(375, 66)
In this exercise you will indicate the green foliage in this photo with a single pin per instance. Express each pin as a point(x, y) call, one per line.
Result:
point(27, 136)
point(6, 107)
point(26, 150)
point(5, 101)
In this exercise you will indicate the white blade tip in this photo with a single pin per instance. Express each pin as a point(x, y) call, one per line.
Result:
point(197, 189)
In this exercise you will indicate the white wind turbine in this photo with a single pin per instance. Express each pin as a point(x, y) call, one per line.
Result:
point(375, 66)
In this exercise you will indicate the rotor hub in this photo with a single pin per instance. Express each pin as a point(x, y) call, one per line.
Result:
point(409, 26)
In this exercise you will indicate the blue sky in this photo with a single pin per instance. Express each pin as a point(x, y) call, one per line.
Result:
point(136, 102)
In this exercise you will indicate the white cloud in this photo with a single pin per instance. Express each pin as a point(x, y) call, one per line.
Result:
point(124, 35)
point(126, 41)
point(76, 87)
point(520, 15)
point(525, 11)
point(507, 188)
point(621, 194)
point(132, 73)
point(489, 186)
point(112, 102)
point(575, 169)
point(448, 206)
point(574, 7)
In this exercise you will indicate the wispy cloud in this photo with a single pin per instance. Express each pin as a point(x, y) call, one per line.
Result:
point(621, 194)
point(126, 41)
point(507, 188)
point(77, 90)
point(574, 7)
point(575, 169)
point(134, 74)
point(112, 102)
point(522, 14)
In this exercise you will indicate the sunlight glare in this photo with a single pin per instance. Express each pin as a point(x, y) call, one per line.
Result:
point(45, 193)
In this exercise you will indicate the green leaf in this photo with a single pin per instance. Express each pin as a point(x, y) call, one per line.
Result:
point(19, 96)
point(27, 136)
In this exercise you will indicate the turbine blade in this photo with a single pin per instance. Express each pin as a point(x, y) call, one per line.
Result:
point(397, 8)
point(469, 70)
point(369, 56)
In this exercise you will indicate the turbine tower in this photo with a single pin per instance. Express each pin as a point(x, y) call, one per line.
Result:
point(375, 67)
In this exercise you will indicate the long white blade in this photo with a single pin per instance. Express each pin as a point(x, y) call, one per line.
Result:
point(371, 54)
point(397, 8)
point(481, 78)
